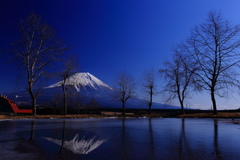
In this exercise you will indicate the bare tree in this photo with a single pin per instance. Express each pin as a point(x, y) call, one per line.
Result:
point(214, 46)
point(70, 67)
point(179, 75)
point(124, 88)
point(75, 99)
point(93, 103)
point(55, 101)
point(35, 51)
point(149, 86)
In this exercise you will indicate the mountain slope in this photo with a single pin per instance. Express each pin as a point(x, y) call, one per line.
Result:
point(83, 88)
point(83, 80)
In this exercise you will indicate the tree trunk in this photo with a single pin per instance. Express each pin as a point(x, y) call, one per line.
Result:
point(213, 102)
point(181, 99)
point(182, 107)
point(34, 106)
point(149, 107)
point(150, 102)
point(123, 108)
point(64, 99)
point(34, 100)
point(65, 103)
point(123, 103)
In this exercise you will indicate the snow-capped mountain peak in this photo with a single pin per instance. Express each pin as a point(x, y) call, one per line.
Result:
point(84, 80)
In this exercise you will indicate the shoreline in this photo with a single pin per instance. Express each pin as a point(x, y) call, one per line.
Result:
point(153, 115)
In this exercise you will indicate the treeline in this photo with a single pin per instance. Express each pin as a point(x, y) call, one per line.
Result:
point(207, 60)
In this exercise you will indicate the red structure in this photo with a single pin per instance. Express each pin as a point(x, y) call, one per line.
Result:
point(8, 106)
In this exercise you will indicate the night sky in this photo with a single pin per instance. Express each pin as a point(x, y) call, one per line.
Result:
point(111, 36)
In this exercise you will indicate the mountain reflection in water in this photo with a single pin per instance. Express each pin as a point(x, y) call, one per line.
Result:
point(83, 146)
point(126, 139)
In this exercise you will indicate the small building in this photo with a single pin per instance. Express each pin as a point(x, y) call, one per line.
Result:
point(9, 106)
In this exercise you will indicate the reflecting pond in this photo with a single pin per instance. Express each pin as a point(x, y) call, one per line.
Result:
point(120, 139)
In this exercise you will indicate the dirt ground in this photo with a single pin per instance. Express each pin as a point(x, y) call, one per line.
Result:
point(112, 114)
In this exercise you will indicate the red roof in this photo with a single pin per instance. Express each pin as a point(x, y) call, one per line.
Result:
point(15, 107)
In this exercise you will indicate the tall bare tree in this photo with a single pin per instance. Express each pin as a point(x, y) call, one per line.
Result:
point(149, 86)
point(214, 46)
point(36, 50)
point(179, 75)
point(124, 88)
point(69, 68)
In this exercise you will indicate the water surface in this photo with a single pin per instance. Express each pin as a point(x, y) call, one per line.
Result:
point(120, 139)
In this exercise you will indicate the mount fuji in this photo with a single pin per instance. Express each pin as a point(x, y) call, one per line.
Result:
point(82, 88)
point(83, 81)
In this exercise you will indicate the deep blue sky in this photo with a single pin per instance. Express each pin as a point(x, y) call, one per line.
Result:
point(111, 36)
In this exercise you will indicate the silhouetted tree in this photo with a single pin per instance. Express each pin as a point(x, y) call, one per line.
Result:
point(149, 86)
point(35, 51)
point(124, 88)
point(178, 74)
point(75, 99)
point(93, 103)
point(56, 101)
point(213, 46)
point(69, 68)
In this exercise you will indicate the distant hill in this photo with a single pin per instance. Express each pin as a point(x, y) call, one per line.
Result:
point(84, 90)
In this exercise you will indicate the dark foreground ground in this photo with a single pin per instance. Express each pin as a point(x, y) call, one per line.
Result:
point(130, 113)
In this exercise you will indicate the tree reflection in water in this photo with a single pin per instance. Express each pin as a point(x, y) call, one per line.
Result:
point(216, 147)
point(127, 138)
point(185, 148)
point(31, 139)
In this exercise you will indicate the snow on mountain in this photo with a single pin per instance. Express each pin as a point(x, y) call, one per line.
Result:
point(83, 80)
